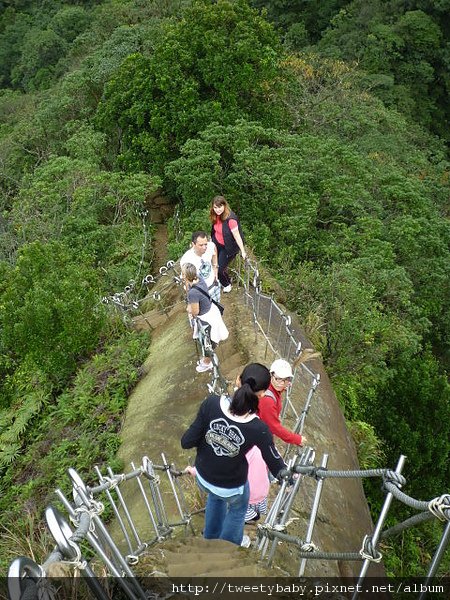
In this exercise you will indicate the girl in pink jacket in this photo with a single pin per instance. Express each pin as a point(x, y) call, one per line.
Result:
point(258, 479)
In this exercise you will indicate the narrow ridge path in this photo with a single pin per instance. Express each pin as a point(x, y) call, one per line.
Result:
point(166, 400)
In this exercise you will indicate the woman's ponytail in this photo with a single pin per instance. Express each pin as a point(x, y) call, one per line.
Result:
point(254, 378)
point(244, 400)
point(251, 382)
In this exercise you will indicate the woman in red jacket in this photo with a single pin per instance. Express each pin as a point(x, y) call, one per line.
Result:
point(227, 235)
point(270, 404)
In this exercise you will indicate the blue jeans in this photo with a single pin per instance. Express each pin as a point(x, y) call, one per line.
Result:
point(225, 517)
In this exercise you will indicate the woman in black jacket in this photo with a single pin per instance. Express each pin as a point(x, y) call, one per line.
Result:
point(223, 432)
point(227, 235)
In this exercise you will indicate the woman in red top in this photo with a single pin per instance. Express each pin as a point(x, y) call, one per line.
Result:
point(270, 404)
point(227, 235)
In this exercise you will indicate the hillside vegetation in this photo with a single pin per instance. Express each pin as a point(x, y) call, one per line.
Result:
point(327, 133)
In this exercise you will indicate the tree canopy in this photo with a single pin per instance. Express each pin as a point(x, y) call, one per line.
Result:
point(216, 64)
point(401, 46)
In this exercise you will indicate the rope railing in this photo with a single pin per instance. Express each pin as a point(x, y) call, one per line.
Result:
point(86, 507)
point(274, 528)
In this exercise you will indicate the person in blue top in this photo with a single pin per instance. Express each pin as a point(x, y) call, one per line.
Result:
point(223, 432)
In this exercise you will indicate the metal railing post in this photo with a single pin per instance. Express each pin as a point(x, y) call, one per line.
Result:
point(436, 561)
point(378, 528)
point(115, 510)
point(102, 554)
point(312, 518)
point(126, 511)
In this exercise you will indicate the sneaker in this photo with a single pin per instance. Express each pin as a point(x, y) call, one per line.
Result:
point(227, 289)
point(246, 541)
point(202, 367)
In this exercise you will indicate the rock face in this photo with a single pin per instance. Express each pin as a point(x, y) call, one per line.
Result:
point(166, 400)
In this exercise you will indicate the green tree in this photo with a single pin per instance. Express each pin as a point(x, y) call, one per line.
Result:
point(49, 310)
point(412, 414)
point(313, 15)
point(41, 50)
point(105, 60)
point(327, 225)
point(421, 245)
point(97, 213)
point(69, 22)
point(403, 53)
point(218, 63)
point(14, 27)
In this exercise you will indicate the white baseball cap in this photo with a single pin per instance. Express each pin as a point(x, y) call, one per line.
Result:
point(281, 368)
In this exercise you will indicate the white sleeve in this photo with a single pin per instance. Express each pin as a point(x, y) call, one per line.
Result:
point(184, 259)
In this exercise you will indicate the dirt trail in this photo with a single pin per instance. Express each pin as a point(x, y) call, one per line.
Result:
point(166, 400)
point(160, 256)
point(160, 208)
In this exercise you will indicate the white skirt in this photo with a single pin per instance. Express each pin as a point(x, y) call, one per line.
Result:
point(219, 331)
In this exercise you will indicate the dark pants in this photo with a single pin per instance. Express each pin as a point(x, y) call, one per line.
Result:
point(223, 261)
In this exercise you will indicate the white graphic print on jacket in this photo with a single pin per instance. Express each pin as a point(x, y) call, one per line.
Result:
point(225, 439)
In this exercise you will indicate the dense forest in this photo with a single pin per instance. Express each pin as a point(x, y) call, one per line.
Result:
point(325, 124)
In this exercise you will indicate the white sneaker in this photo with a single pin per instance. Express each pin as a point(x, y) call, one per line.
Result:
point(246, 541)
point(202, 367)
point(227, 289)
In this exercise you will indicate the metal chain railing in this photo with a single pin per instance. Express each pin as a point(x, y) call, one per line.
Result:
point(85, 509)
point(131, 300)
point(281, 341)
